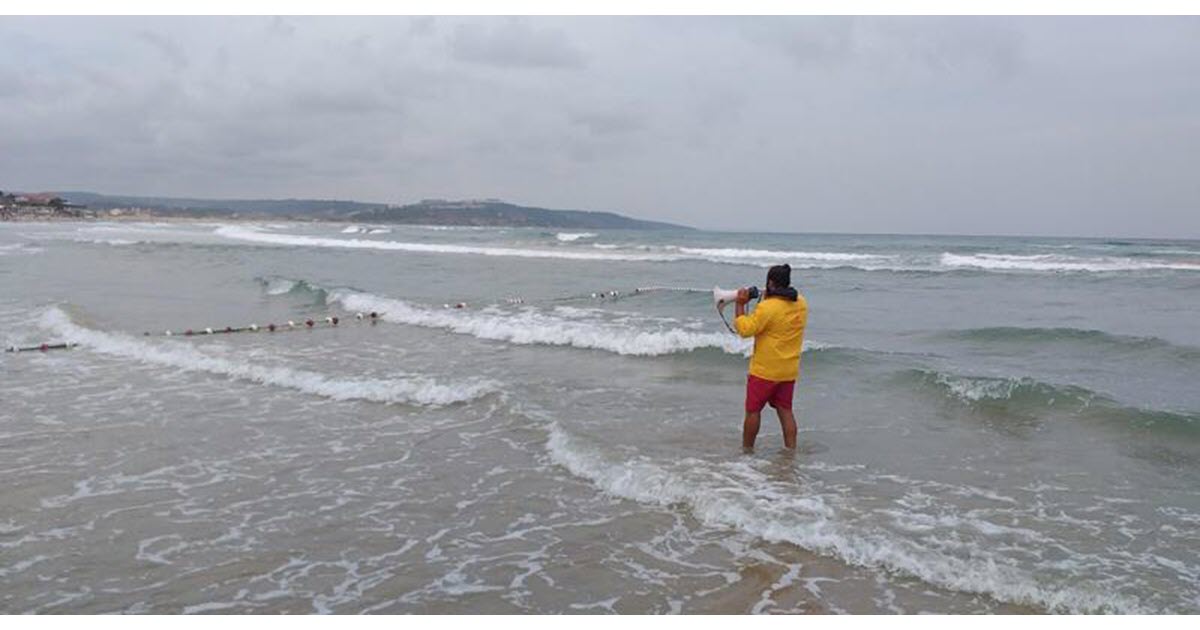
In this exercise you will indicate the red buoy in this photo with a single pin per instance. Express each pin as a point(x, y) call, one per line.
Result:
point(44, 347)
point(335, 321)
point(189, 332)
point(308, 322)
point(271, 327)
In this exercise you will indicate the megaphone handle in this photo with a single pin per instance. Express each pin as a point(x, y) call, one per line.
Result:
point(721, 312)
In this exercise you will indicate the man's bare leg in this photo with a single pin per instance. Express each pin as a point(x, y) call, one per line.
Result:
point(788, 422)
point(750, 428)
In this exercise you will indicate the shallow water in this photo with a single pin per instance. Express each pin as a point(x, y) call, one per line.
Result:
point(987, 424)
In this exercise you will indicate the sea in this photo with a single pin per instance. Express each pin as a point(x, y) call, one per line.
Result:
point(549, 421)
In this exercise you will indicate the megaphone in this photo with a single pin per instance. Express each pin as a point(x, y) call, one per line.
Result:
point(721, 297)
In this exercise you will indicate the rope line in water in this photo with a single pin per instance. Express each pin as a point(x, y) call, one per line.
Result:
point(612, 295)
point(41, 348)
point(374, 317)
point(290, 325)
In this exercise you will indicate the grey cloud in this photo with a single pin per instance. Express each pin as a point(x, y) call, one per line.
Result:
point(609, 122)
point(978, 125)
point(281, 26)
point(514, 43)
point(807, 41)
point(166, 47)
point(891, 45)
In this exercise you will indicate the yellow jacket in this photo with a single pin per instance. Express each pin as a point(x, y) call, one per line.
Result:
point(777, 325)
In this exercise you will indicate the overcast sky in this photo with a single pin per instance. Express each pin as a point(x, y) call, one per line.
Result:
point(1057, 126)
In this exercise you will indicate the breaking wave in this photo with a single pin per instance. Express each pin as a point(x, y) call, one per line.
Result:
point(284, 286)
point(417, 390)
point(17, 249)
point(600, 251)
point(568, 237)
point(116, 242)
point(1026, 395)
point(530, 327)
point(745, 500)
point(1058, 263)
point(1088, 337)
point(257, 236)
point(984, 389)
point(770, 255)
point(361, 229)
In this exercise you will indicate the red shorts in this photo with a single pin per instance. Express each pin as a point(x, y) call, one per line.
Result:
point(760, 391)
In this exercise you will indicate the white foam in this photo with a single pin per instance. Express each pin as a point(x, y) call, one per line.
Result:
point(781, 256)
point(1055, 262)
point(978, 389)
point(257, 236)
point(418, 390)
point(568, 237)
point(758, 258)
point(739, 501)
point(107, 241)
point(208, 607)
point(16, 249)
point(280, 286)
point(362, 229)
point(530, 327)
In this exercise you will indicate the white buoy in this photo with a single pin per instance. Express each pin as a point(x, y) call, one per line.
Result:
point(168, 333)
point(291, 324)
point(328, 320)
point(208, 331)
point(254, 327)
point(358, 316)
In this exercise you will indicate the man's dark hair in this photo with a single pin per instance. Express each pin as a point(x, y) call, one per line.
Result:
point(780, 276)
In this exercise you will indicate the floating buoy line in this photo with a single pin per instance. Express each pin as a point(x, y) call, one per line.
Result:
point(41, 348)
point(369, 317)
point(610, 295)
point(291, 324)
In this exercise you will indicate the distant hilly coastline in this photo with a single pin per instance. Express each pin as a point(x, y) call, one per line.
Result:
point(483, 212)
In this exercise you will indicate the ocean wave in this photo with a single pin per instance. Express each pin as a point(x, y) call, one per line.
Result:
point(568, 237)
point(751, 505)
point(530, 327)
point(728, 256)
point(116, 242)
point(275, 285)
point(1025, 395)
point(418, 390)
point(632, 253)
point(1059, 263)
point(985, 389)
point(780, 256)
point(257, 236)
point(362, 229)
point(1096, 338)
point(17, 249)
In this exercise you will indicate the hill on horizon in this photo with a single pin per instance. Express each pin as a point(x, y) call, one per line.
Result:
point(475, 212)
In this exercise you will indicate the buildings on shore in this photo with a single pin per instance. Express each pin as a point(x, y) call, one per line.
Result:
point(39, 207)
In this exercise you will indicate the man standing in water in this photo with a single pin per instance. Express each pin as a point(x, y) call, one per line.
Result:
point(777, 326)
